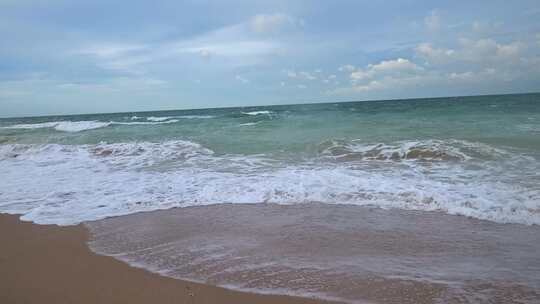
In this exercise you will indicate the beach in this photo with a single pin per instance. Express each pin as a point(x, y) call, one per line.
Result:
point(340, 254)
point(51, 264)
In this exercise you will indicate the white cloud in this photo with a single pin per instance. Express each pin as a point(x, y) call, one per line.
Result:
point(399, 64)
point(271, 23)
point(290, 73)
point(434, 55)
point(385, 68)
point(233, 45)
point(300, 75)
point(205, 53)
point(241, 79)
point(108, 50)
point(485, 27)
point(301, 86)
point(307, 76)
point(125, 58)
point(462, 76)
point(433, 21)
point(481, 51)
point(347, 68)
point(230, 48)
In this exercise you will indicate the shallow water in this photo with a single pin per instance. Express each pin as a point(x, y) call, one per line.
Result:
point(339, 252)
point(474, 156)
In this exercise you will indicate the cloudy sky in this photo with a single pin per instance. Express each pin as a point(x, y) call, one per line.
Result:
point(65, 56)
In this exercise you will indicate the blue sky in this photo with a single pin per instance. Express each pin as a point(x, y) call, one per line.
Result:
point(59, 57)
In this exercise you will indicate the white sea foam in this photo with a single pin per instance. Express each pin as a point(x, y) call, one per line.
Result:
point(165, 118)
point(253, 113)
point(152, 118)
point(66, 126)
point(195, 116)
point(249, 124)
point(145, 122)
point(67, 184)
point(78, 126)
point(456, 150)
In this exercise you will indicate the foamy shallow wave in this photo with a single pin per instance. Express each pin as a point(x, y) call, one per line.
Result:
point(78, 126)
point(74, 183)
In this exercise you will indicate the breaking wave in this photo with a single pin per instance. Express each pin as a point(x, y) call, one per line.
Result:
point(66, 126)
point(165, 118)
point(74, 183)
point(78, 126)
point(254, 113)
point(427, 150)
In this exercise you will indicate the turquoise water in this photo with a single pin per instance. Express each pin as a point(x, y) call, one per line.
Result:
point(476, 156)
point(499, 120)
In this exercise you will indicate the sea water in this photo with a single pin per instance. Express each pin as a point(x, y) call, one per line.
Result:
point(473, 156)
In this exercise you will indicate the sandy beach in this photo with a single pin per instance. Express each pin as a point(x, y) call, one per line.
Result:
point(339, 253)
point(51, 264)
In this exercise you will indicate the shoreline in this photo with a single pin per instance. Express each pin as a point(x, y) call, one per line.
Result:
point(313, 253)
point(53, 264)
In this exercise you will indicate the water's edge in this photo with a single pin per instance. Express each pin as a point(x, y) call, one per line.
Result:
point(330, 252)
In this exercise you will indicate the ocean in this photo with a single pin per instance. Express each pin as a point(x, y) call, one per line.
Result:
point(473, 156)
point(417, 160)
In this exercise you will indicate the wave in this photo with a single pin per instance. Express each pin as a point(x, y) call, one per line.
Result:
point(152, 118)
point(426, 150)
point(104, 180)
point(196, 116)
point(165, 118)
point(249, 124)
point(254, 113)
point(145, 123)
point(532, 128)
point(78, 126)
point(66, 126)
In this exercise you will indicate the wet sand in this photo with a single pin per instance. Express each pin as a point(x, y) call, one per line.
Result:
point(349, 253)
point(51, 264)
point(316, 251)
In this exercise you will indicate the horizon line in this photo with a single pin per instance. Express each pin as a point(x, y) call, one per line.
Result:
point(272, 105)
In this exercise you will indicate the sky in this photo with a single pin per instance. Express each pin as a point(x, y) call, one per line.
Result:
point(63, 57)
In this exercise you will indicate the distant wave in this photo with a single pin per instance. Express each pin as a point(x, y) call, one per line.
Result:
point(195, 116)
point(164, 118)
point(78, 126)
point(253, 113)
point(532, 128)
point(249, 124)
point(145, 123)
point(66, 126)
point(152, 118)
